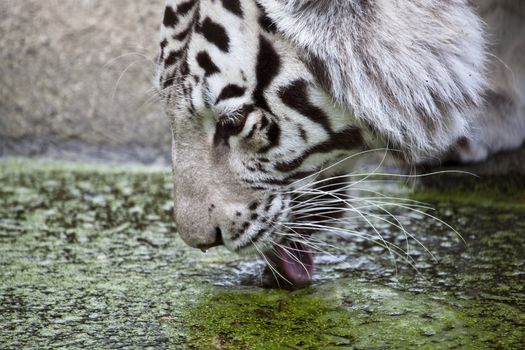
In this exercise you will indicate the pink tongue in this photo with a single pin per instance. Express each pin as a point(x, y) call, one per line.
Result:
point(295, 264)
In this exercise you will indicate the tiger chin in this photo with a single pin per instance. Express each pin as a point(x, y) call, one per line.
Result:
point(268, 100)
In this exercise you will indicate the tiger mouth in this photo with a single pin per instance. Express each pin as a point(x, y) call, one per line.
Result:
point(291, 263)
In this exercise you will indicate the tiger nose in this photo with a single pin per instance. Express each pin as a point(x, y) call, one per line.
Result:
point(218, 241)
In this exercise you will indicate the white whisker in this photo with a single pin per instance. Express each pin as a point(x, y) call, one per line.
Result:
point(344, 233)
point(270, 266)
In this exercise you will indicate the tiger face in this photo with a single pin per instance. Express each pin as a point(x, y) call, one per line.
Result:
point(249, 125)
point(256, 116)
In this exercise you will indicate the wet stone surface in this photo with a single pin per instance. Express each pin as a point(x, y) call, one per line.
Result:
point(90, 258)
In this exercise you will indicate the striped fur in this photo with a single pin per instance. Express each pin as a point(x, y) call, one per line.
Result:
point(262, 94)
point(248, 120)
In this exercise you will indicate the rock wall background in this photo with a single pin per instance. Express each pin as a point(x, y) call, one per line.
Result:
point(76, 81)
point(77, 73)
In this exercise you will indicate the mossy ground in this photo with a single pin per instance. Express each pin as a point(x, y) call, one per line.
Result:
point(90, 259)
point(350, 315)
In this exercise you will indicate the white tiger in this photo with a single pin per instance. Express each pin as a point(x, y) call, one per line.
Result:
point(264, 94)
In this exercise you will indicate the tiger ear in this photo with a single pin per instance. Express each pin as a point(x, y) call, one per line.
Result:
point(413, 71)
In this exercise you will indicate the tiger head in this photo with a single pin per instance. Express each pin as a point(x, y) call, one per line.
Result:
point(253, 130)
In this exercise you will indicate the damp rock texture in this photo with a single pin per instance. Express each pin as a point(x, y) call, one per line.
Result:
point(90, 259)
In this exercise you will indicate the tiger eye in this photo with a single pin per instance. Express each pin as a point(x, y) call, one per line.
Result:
point(234, 122)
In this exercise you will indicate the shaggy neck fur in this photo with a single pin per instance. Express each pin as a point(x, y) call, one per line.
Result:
point(411, 70)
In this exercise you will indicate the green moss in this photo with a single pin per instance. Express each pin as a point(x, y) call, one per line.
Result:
point(497, 191)
point(488, 198)
point(90, 259)
point(266, 320)
point(346, 314)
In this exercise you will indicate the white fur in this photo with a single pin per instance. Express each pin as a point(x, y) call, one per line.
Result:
point(405, 65)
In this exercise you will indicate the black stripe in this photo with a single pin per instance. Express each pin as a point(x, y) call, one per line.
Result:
point(205, 62)
point(274, 134)
point(295, 96)
point(269, 181)
point(264, 122)
point(268, 66)
point(303, 134)
point(185, 67)
point(258, 235)
point(224, 131)
point(182, 35)
point(215, 34)
point(274, 138)
point(231, 91)
point(163, 45)
point(234, 6)
point(319, 70)
point(170, 18)
point(267, 24)
point(185, 7)
point(259, 188)
point(348, 139)
point(252, 131)
point(173, 57)
point(168, 81)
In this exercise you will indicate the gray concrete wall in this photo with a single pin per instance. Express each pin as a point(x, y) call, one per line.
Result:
point(60, 62)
